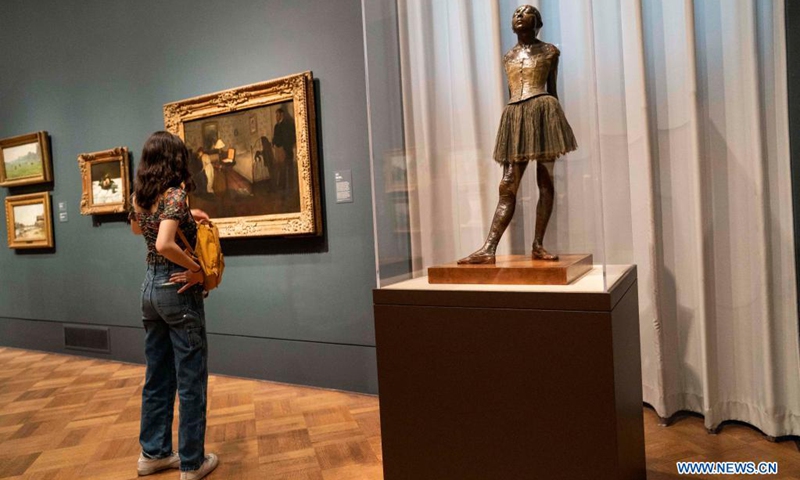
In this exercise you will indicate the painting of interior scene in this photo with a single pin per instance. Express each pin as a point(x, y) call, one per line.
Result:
point(244, 163)
point(29, 222)
point(106, 183)
point(22, 161)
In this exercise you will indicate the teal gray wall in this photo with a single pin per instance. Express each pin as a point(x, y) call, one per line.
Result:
point(95, 75)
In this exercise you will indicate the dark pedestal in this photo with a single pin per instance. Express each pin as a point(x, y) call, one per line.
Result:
point(478, 383)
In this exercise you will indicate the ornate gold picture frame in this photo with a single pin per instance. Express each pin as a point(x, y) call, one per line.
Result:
point(25, 160)
point(106, 181)
point(29, 221)
point(254, 156)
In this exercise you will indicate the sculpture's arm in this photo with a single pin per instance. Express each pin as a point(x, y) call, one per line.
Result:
point(553, 78)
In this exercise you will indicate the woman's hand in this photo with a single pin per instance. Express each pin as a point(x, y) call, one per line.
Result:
point(187, 277)
point(199, 215)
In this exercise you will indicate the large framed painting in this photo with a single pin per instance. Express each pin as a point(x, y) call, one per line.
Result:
point(25, 160)
point(28, 221)
point(253, 156)
point(106, 182)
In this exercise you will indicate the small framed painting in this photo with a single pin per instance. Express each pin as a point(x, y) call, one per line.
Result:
point(25, 160)
point(29, 221)
point(106, 182)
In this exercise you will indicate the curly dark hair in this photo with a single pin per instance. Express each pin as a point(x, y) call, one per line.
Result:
point(164, 164)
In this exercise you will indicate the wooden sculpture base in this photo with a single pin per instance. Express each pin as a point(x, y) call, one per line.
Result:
point(515, 270)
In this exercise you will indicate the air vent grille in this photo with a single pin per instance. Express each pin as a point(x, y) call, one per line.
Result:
point(81, 337)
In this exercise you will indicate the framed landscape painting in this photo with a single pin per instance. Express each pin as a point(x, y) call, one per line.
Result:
point(106, 181)
point(28, 221)
point(253, 153)
point(25, 160)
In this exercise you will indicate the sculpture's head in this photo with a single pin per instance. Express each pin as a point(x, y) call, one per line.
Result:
point(526, 18)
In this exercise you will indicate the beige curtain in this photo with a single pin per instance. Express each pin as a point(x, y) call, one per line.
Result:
point(680, 110)
point(452, 98)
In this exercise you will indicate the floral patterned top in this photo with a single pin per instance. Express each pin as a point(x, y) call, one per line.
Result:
point(172, 205)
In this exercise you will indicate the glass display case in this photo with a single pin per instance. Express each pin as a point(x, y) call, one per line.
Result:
point(680, 113)
point(436, 93)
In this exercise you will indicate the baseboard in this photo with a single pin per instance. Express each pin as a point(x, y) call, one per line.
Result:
point(328, 365)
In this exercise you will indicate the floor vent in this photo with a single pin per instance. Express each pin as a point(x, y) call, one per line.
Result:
point(93, 339)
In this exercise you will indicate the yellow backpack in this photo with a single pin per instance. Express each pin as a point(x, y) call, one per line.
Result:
point(208, 253)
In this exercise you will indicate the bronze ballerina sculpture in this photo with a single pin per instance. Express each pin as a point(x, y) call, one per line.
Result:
point(533, 128)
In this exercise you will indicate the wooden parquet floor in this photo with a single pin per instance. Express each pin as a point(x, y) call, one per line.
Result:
point(65, 417)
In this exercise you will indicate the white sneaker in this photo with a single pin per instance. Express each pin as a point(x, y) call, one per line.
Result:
point(207, 467)
point(149, 466)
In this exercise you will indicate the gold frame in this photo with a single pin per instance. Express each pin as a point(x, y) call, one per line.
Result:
point(44, 146)
point(298, 88)
point(30, 199)
point(85, 161)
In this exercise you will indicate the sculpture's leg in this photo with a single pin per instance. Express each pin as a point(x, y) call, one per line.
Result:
point(544, 179)
point(509, 184)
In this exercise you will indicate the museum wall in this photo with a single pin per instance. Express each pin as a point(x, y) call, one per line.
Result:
point(95, 75)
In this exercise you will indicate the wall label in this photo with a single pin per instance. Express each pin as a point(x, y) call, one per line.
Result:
point(344, 186)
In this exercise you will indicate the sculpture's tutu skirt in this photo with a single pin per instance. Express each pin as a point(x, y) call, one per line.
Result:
point(534, 129)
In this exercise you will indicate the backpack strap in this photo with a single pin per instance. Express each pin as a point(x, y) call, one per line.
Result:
point(185, 242)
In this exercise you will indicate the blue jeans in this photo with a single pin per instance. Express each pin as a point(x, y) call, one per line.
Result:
point(177, 359)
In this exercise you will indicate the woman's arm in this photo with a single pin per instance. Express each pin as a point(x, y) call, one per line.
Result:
point(199, 215)
point(166, 247)
point(135, 228)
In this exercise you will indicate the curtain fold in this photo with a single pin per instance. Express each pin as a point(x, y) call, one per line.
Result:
point(645, 249)
point(680, 111)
